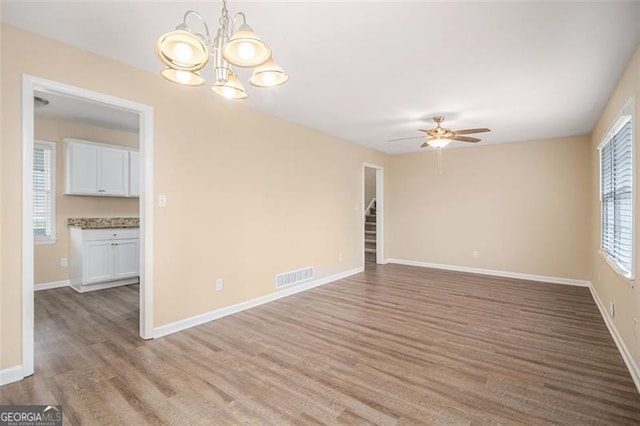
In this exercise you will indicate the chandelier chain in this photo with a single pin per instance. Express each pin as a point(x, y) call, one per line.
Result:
point(224, 17)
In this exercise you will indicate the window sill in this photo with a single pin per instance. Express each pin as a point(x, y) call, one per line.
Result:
point(628, 276)
point(45, 242)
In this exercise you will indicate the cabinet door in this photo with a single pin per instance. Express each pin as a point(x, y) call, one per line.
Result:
point(134, 174)
point(114, 171)
point(83, 169)
point(126, 258)
point(98, 261)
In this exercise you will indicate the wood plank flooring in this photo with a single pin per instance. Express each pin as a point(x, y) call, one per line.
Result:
point(393, 345)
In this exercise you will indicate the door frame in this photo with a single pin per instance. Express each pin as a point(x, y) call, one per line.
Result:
point(145, 112)
point(379, 212)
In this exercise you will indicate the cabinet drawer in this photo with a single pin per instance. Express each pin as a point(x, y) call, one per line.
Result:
point(110, 234)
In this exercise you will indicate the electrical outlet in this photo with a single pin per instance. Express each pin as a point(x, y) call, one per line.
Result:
point(162, 200)
point(612, 308)
point(475, 254)
point(64, 262)
point(219, 284)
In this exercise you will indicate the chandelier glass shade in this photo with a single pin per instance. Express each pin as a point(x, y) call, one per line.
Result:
point(186, 78)
point(232, 88)
point(182, 50)
point(268, 74)
point(245, 49)
point(185, 54)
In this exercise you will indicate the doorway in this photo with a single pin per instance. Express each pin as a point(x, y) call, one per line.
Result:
point(35, 86)
point(372, 215)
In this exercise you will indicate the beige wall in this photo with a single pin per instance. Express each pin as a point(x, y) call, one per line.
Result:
point(369, 185)
point(47, 256)
point(249, 195)
point(524, 207)
point(607, 283)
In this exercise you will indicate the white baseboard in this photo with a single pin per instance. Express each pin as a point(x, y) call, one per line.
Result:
point(229, 310)
point(622, 348)
point(10, 375)
point(103, 286)
point(507, 274)
point(47, 286)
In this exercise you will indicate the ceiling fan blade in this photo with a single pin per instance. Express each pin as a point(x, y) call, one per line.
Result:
point(469, 131)
point(405, 139)
point(464, 139)
point(424, 145)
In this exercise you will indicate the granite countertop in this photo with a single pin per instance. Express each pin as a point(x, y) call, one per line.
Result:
point(103, 222)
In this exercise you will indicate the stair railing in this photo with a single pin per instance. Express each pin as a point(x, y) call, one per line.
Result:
point(371, 204)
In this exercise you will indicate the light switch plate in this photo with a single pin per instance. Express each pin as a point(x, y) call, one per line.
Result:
point(162, 200)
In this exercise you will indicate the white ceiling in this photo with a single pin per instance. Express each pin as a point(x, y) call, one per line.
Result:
point(372, 71)
point(95, 114)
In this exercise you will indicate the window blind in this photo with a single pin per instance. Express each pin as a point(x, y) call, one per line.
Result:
point(43, 191)
point(616, 169)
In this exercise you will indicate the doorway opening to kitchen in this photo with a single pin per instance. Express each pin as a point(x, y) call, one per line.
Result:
point(87, 220)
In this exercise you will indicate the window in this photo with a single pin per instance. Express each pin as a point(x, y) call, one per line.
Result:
point(616, 194)
point(44, 191)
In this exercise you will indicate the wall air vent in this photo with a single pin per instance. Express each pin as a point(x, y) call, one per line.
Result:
point(285, 279)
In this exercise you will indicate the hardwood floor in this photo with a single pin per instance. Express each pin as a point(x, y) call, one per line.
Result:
point(393, 345)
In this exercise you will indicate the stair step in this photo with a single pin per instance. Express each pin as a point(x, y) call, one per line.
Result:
point(367, 240)
point(369, 250)
point(370, 232)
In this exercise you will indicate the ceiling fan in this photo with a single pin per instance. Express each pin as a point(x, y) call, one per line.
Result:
point(439, 136)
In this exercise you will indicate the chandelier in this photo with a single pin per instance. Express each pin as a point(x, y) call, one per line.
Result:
point(185, 53)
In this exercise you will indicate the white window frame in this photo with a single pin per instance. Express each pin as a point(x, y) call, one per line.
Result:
point(51, 239)
point(625, 115)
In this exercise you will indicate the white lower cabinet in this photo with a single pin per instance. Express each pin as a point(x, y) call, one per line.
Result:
point(103, 258)
point(125, 255)
point(98, 262)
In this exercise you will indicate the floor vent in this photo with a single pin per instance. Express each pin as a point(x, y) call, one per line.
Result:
point(294, 277)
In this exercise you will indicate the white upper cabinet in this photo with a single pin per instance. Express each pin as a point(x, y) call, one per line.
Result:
point(99, 169)
point(82, 169)
point(114, 171)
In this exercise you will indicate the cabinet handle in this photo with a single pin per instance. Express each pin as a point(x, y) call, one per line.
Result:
point(101, 190)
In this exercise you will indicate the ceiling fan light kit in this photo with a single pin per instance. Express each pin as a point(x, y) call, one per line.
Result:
point(438, 142)
point(439, 137)
point(185, 53)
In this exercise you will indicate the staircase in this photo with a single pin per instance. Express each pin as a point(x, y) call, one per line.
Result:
point(370, 234)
